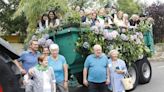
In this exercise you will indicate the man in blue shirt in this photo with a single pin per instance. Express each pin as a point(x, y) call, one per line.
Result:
point(96, 71)
point(28, 58)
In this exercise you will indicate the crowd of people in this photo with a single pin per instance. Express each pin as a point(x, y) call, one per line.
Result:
point(46, 21)
point(48, 71)
point(97, 19)
point(43, 72)
point(110, 18)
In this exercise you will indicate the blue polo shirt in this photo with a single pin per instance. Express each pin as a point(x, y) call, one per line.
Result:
point(57, 66)
point(29, 59)
point(97, 68)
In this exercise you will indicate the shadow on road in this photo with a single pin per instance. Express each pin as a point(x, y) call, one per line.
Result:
point(80, 89)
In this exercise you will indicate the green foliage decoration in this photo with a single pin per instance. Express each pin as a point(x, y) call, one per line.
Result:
point(131, 47)
point(129, 6)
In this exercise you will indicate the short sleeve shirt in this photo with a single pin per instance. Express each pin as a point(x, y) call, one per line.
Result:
point(29, 59)
point(97, 68)
point(57, 66)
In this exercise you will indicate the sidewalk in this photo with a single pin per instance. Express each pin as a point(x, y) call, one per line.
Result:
point(159, 53)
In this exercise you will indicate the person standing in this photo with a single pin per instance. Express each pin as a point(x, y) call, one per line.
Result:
point(96, 71)
point(28, 60)
point(46, 51)
point(43, 76)
point(118, 70)
point(53, 20)
point(43, 23)
point(58, 63)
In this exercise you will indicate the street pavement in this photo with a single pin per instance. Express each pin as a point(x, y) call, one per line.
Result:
point(157, 82)
point(155, 85)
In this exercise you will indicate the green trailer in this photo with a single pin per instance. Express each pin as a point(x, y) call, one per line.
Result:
point(66, 38)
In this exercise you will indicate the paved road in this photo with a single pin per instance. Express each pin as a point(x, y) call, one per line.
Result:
point(156, 84)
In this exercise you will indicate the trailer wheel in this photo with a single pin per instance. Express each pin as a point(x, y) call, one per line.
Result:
point(145, 71)
point(134, 74)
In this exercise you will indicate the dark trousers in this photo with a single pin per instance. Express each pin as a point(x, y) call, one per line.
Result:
point(97, 87)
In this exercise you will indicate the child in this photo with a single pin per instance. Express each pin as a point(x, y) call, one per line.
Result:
point(43, 76)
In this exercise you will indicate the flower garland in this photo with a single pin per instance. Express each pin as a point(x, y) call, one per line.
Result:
point(129, 43)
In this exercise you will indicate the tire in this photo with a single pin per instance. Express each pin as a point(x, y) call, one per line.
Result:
point(145, 71)
point(134, 74)
point(8, 80)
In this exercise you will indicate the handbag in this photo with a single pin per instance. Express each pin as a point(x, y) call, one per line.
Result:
point(127, 82)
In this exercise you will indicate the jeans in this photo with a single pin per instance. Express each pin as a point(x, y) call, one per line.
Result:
point(97, 87)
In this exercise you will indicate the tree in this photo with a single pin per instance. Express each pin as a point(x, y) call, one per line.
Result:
point(90, 3)
point(8, 24)
point(80, 3)
point(129, 6)
point(33, 9)
point(156, 11)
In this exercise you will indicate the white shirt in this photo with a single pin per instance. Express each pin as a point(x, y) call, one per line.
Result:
point(46, 82)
